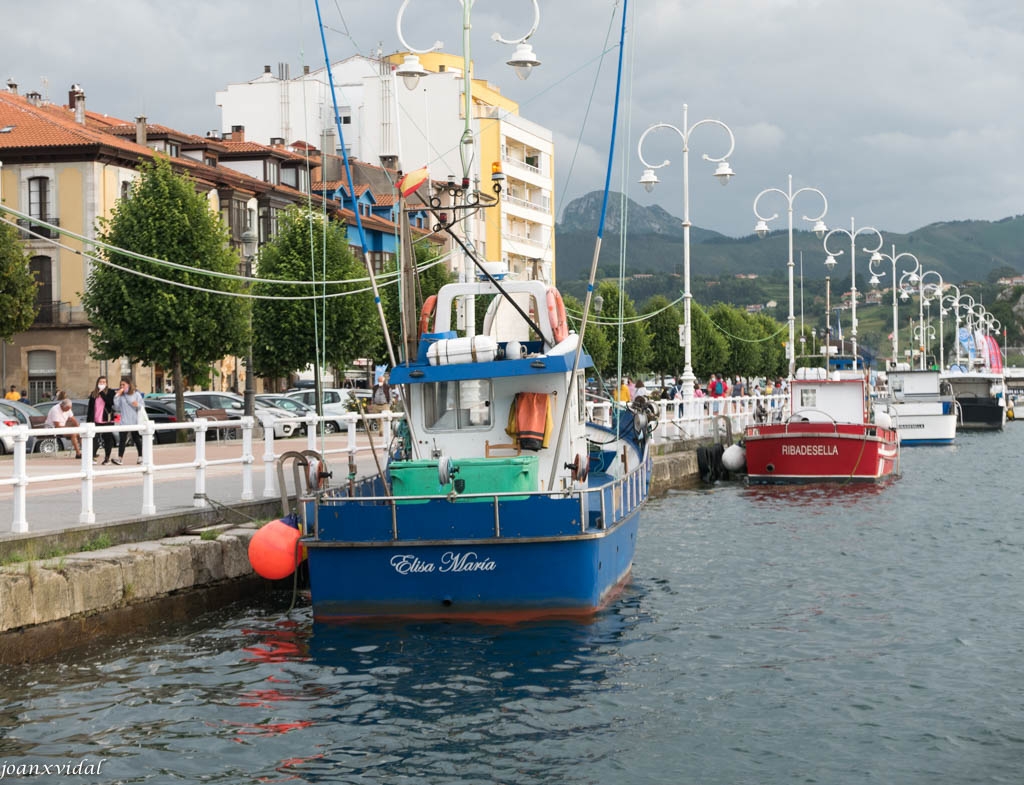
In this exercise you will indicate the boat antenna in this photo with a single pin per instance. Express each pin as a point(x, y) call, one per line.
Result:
point(486, 273)
point(362, 234)
point(597, 246)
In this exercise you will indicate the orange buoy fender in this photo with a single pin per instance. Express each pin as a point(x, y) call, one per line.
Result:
point(427, 314)
point(274, 551)
point(556, 313)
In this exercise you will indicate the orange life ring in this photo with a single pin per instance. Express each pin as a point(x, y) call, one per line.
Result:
point(556, 313)
point(427, 313)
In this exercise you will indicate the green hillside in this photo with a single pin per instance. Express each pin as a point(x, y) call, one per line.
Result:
point(958, 250)
point(750, 271)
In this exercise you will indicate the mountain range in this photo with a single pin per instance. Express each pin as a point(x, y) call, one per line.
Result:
point(969, 250)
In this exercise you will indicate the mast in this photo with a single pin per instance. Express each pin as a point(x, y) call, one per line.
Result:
point(597, 252)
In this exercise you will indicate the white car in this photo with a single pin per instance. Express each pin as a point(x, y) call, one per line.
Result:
point(336, 403)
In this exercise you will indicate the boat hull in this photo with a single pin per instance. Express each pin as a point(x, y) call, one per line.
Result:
point(981, 414)
point(820, 452)
point(916, 425)
point(505, 578)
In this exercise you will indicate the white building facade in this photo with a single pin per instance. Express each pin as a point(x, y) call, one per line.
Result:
point(384, 123)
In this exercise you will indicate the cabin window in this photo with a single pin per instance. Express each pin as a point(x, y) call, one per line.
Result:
point(808, 398)
point(581, 396)
point(450, 406)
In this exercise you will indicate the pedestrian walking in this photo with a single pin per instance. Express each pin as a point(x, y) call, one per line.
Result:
point(127, 403)
point(100, 411)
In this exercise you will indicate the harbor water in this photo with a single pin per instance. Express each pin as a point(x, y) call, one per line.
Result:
point(791, 635)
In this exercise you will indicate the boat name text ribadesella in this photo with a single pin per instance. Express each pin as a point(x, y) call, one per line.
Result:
point(810, 449)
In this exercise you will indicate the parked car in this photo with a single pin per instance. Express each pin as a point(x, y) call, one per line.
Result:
point(336, 403)
point(234, 405)
point(18, 413)
point(161, 411)
point(293, 406)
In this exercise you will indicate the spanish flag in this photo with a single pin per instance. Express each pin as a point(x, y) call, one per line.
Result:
point(408, 183)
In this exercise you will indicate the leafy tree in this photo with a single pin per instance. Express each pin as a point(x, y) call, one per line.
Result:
point(17, 285)
point(429, 281)
point(739, 332)
point(595, 342)
point(710, 351)
point(668, 358)
point(327, 322)
point(636, 340)
point(152, 319)
point(773, 362)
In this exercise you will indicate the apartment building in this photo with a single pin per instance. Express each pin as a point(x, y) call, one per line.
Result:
point(384, 123)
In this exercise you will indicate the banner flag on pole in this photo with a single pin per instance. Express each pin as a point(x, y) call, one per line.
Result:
point(408, 183)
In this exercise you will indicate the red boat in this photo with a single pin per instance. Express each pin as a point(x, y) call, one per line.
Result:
point(825, 435)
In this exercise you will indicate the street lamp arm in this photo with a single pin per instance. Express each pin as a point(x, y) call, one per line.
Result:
point(533, 29)
point(398, 29)
point(824, 203)
point(640, 144)
point(878, 234)
point(728, 130)
point(773, 216)
point(829, 251)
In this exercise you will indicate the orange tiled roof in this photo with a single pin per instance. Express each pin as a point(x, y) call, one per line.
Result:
point(29, 126)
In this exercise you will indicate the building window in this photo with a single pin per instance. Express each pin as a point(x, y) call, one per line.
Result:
point(126, 189)
point(42, 374)
point(39, 197)
point(173, 149)
point(42, 268)
point(268, 223)
point(210, 160)
point(239, 217)
point(271, 172)
point(346, 120)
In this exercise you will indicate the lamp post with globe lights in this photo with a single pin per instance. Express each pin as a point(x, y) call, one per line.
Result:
point(925, 291)
point(761, 228)
point(411, 71)
point(830, 262)
point(876, 276)
point(649, 179)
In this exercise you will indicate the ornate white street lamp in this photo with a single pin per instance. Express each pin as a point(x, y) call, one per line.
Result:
point(894, 258)
point(761, 228)
point(830, 262)
point(649, 179)
point(523, 62)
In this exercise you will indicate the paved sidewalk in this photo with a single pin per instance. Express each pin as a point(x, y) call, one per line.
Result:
point(55, 505)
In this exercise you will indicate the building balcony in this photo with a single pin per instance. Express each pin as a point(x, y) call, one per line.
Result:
point(53, 313)
point(521, 164)
point(33, 231)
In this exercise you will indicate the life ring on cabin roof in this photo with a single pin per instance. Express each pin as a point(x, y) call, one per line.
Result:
point(427, 314)
point(556, 314)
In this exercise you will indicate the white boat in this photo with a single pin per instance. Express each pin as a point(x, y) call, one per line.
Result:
point(980, 398)
point(921, 406)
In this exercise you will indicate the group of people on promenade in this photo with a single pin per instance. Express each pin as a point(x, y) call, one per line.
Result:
point(124, 406)
point(718, 386)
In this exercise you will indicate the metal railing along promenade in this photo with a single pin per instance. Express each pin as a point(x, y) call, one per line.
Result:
point(240, 460)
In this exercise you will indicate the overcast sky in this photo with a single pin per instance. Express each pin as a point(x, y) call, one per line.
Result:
point(903, 112)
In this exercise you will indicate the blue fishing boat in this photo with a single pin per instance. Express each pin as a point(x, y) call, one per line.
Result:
point(500, 499)
point(482, 511)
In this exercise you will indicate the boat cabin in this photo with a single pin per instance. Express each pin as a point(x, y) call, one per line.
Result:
point(815, 397)
point(501, 393)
